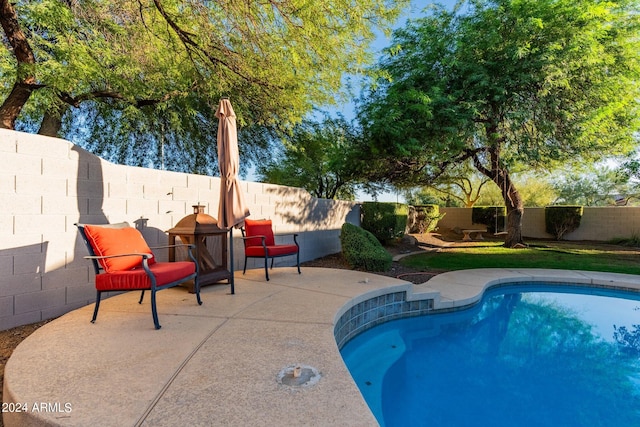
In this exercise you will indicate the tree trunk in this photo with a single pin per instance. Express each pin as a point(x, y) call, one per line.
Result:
point(25, 80)
point(512, 200)
point(514, 227)
point(52, 121)
point(515, 210)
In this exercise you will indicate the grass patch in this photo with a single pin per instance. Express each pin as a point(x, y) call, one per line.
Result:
point(612, 261)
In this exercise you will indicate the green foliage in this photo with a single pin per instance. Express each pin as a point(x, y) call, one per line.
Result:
point(560, 220)
point(386, 221)
point(170, 61)
point(429, 196)
point(318, 158)
point(633, 241)
point(361, 249)
point(594, 186)
point(491, 216)
point(424, 218)
point(510, 85)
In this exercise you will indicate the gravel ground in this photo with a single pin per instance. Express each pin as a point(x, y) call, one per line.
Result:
point(408, 245)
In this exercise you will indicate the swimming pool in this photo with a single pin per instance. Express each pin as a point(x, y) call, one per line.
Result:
point(525, 355)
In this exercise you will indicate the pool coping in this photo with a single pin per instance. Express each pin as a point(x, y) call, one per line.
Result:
point(218, 363)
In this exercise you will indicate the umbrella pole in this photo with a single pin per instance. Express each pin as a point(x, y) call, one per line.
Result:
point(231, 281)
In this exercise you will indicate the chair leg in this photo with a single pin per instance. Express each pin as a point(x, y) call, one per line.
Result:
point(141, 297)
point(245, 265)
point(154, 311)
point(298, 261)
point(95, 310)
point(266, 270)
point(196, 283)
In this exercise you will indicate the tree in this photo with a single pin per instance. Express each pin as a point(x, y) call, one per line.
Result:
point(598, 186)
point(629, 172)
point(461, 183)
point(156, 68)
point(509, 85)
point(318, 158)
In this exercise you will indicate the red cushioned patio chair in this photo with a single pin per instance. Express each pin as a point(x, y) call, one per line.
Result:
point(123, 262)
point(259, 242)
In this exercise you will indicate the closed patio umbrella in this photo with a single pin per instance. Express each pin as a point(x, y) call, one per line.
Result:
point(232, 208)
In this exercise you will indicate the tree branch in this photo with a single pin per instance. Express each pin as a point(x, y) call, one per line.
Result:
point(187, 40)
point(25, 80)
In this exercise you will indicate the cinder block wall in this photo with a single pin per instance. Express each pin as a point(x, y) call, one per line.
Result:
point(48, 184)
point(598, 223)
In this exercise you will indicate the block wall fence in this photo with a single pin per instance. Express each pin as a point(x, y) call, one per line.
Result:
point(48, 184)
point(597, 224)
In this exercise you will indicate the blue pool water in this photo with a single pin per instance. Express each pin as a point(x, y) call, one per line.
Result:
point(522, 357)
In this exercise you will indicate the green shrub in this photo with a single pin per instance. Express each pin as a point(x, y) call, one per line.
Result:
point(424, 218)
point(491, 216)
point(361, 249)
point(560, 220)
point(633, 241)
point(386, 221)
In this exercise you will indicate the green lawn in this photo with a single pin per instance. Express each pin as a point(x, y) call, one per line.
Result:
point(609, 260)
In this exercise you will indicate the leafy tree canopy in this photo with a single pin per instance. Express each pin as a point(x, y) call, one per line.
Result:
point(599, 185)
point(142, 78)
point(509, 85)
point(475, 190)
point(317, 157)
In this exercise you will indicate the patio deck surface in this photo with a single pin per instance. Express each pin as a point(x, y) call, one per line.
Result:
point(217, 364)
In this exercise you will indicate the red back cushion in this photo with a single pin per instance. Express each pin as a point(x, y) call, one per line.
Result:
point(258, 228)
point(114, 241)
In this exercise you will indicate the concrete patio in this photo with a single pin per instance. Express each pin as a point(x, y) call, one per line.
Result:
point(218, 364)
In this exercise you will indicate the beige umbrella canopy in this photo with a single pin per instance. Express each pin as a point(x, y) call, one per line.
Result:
point(232, 209)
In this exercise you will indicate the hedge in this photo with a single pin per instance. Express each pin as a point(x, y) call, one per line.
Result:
point(386, 221)
point(362, 249)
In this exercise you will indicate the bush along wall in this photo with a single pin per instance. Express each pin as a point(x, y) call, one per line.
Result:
point(362, 249)
point(386, 221)
point(561, 220)
point(424, 218)
point(493, 217)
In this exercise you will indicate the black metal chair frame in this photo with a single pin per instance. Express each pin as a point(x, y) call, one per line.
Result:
point(266, 252)
point(145, 257)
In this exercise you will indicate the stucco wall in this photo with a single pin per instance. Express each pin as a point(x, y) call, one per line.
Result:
point(598, 223)
point(48, 184)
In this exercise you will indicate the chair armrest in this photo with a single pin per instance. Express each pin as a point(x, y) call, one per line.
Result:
point(190, 248)
point(254, 237)
point(188, 245)
point(144, 256)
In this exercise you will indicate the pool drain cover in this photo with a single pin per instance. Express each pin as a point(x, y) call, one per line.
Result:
point(298, 376)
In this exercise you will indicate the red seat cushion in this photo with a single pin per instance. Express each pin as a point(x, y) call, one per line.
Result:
point(164, 272)
point(275, 250)
point(258, 228)
point(107, 241)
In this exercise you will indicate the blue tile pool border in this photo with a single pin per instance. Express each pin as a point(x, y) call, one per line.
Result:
point(375, 311)
point(394, 305)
